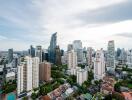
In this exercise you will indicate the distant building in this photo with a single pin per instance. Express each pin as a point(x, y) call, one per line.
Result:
point(129, 58)
point(99, 65)
point(111, 56)
point(35, 72)
point(58, 56)
point(82, 76)
point(77, 45)
point(38, 53)
point(53, 44)
point(70, 47)
point(10, 55)
point(64, 58)
point(72, 59)
point(44, 71)
point(89, 56)
point(32, 51)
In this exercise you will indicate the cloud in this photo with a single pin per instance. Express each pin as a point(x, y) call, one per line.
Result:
point(109, 14)
point(127, 35)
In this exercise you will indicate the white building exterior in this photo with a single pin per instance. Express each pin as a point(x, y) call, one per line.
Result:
point(35, 73)
point(28, 74)
point(82, 75)
point(99, 65)
point(72, 59)
point(111, 56)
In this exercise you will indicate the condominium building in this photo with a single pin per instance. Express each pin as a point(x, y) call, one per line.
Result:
point(99, 65)
point(24, 78)
point(72, 59)
point(35, 72)
point(28, 74)
point(82, 76)
point(89, 56)
point(44, 71)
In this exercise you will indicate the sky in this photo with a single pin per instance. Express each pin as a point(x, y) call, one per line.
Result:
point(94, 22)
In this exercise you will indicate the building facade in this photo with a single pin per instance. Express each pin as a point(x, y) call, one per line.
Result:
point(53, 44)
point(111, 56)
point(10, 55)
point(82, 75)
point(38, 53)
point(99, 65)
point(44, 71)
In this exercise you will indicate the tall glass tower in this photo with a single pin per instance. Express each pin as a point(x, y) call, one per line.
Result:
point(53, 44)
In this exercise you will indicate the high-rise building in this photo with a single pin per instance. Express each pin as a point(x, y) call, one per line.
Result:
point(129, 58)
point(70, 47)
point(111, 56)
point(10, 55)
point(44, 71)
point(32, 51)
point(89, 56)
point(77, 45)
point(58, 56)
point(82, 75)
point(123, 57)
point(35, 72)
point(99, 65)
point(53, 44)
point(72, 59)
point(38, 53)
point(24, 78)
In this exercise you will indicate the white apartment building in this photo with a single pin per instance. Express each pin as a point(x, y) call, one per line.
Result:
point(99, 65)
point(82, 75)
point(28, 74)
point(72, 59)
point(35, 72)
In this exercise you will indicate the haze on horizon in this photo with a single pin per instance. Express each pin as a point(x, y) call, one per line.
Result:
point(94, 22)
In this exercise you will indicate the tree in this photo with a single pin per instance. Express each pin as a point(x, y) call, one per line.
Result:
point(117, 87)
point(34, 96)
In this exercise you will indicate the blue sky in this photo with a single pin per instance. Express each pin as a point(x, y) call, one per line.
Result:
point(95, 22)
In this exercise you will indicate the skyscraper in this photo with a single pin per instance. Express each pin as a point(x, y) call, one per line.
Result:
point(38, 53)
point(53, 44)
point(70, 47)
point(35, 72)
point(89, 56)
point(129, 58)
point(72, 59)
point(111, 56)
point(99, 65)
point(58, 56)
point(44, 71)
point(10, 55)
point(32, 51)
point(77, 45)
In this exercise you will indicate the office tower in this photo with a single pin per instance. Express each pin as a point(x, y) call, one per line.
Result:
point(24, 78)
point(82, 75)
point(58, 56)
point(35, 72)
point(129, 58)
point(118, 53)
point(111, 57)
point(53, 44)
point(38, 53)
point(72, 59)
point(89, 56)
point(32, 51)
point(99, 65)
point(123, 57)
point(77, 45)
point(10, 55)
point(70, 47)
point(44, 71)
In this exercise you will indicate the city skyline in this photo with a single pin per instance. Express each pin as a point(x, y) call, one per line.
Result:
point(25, 23)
